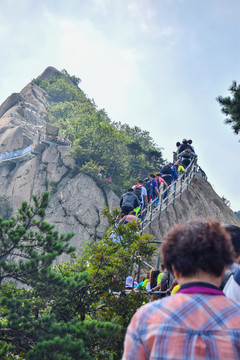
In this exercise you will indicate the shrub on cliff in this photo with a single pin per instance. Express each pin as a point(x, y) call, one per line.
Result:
point(123, 152)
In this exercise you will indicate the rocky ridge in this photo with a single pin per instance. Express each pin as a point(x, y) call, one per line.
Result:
point(76, 203)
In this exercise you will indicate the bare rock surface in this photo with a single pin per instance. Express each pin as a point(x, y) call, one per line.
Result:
point(76, 203)
point(199, 201)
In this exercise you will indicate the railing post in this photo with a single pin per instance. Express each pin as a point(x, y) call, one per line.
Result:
point(160, 209)
point(174, 192)
point(182, 178)
point(158, 260)
point(185, 180)
point(151, 214)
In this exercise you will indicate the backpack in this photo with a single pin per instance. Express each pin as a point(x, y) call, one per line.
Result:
point(157, 180)
point(147, 183)
point(138, 192)
point(167, 169)
point(187, 153)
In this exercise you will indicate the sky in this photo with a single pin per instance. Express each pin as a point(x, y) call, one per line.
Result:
point(155, 64)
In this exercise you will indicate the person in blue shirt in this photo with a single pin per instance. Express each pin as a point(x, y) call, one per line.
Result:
point(154, 190)
point(169, 174)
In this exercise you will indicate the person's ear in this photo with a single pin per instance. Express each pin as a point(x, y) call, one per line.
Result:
point(177, 274)
point(223, 271)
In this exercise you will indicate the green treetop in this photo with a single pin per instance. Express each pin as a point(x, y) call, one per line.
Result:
point(126, 154)
point(67, 311)
point(230, 106)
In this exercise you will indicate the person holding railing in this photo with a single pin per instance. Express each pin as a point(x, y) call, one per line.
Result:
point(161, 181)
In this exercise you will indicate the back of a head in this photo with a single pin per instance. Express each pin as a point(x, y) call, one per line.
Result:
point(153, 277)
point(152, 176)
point(234, 232)
point(140, 182)
point(189, 142)
point(178, 144)
point(197, 245)
point(184, 141)
point(130, 190)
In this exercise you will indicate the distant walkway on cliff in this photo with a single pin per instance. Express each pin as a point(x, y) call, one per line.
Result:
point(45, 136)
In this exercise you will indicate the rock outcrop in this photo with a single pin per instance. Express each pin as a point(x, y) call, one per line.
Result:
point(76, 203)
point(198, 201)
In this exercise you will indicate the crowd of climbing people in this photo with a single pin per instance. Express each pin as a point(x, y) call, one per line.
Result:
point(194, 297)
point(148, 190)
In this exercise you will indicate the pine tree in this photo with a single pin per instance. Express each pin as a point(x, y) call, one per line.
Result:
point(35, 301)
point(67, 311)
point(231, 107)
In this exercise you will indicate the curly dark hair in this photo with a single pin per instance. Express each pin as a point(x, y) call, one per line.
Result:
point(234, 232)
point(197, 245)
point(153, 278)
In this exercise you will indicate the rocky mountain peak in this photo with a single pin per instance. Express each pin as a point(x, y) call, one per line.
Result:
point(76, 203)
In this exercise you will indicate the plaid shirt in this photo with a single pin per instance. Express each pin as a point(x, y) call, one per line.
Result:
point(197, 323)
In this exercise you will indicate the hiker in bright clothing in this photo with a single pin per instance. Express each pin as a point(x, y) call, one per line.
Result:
point(161, 181)
point(179, 168)
point(129, 201)
point(198, 322)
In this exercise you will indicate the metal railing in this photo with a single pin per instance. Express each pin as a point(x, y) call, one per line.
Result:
point(174, 191)
point(16, 153)
point(21, 153)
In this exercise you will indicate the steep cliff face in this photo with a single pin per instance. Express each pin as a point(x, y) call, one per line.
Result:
point(76, 203)
point(199, 201)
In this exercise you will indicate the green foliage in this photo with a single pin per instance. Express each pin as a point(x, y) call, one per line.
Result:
point(125, 153)
point(231, 107)
point(108, 263)
point(67, 311)
point(29, 244)
point(75, 80)
point(227, 202)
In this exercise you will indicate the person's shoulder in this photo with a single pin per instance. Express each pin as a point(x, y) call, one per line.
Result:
point(158, 306)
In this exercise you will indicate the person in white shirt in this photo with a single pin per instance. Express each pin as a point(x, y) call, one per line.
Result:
point(231, 279)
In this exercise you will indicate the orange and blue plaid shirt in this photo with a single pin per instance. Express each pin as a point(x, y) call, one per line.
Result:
point(198, 323)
